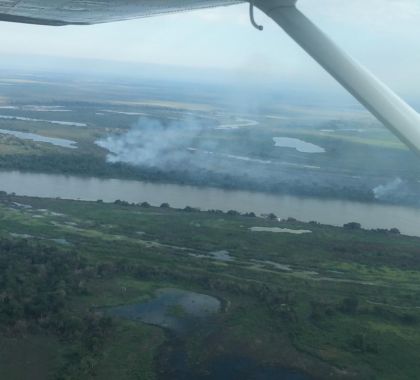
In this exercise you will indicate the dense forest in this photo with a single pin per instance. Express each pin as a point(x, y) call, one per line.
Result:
point(37, 284)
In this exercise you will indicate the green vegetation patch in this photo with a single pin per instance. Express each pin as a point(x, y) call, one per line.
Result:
point(340, 301)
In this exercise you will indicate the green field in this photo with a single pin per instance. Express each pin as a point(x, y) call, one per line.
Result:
point(343, 304)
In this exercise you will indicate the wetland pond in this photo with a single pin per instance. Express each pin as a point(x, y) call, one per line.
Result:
point(299, 145)
point(180, 313)
point(64, 143)
point(280, 230)
point(174, 309)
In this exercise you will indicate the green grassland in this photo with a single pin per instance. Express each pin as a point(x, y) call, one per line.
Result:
point(345, 304)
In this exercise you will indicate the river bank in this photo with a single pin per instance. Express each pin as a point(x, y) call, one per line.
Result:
point(326, 211)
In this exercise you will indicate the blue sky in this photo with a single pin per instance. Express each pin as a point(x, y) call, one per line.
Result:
point(382, 34)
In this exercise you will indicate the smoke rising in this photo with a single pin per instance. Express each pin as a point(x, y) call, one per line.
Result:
point(183, 146)
point(200, 150)
point(195, 151)
point(383, 192)
point(153, 144)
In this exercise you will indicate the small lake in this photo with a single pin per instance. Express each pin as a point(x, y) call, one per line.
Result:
point(326, 211)
point(231, 367)
point(175, 309)
point(36, 108)
point(299, 145)
point(58, 122)
point(125, 113)
point(239, 123)
point(34, 137)
point(279, 230)
point(215, 255)
point(181, 311)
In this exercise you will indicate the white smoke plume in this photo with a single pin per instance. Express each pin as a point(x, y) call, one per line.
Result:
point(384, 191)
point(153, 144)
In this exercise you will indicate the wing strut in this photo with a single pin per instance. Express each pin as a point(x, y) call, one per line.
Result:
point(381, 101)
point(251, 17)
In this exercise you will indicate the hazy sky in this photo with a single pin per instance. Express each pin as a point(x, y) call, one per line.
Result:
point(382, 34)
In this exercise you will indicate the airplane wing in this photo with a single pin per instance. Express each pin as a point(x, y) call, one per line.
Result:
point(381, 101)
point(85, 12)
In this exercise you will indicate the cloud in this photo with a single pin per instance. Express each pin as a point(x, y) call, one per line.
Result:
point(387, 16)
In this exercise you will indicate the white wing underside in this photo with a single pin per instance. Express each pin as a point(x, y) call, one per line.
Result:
point(82, 12)
point(383, 103)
